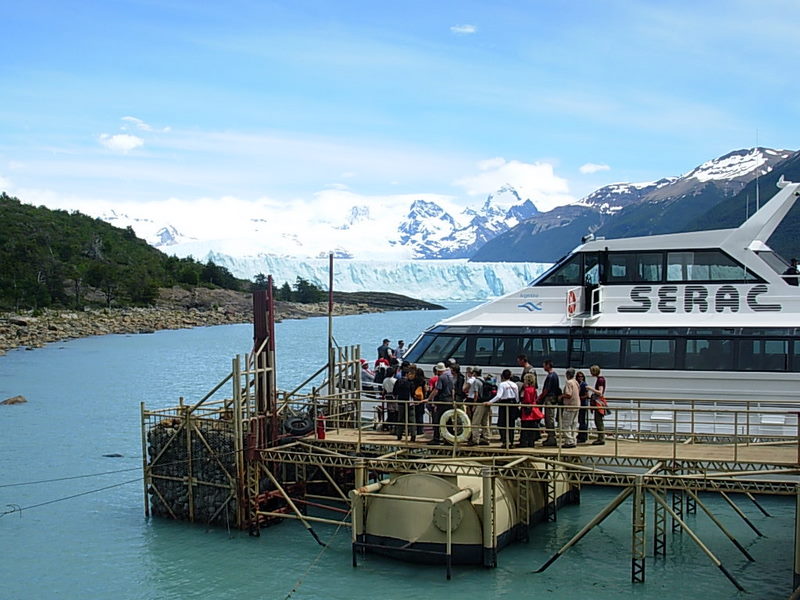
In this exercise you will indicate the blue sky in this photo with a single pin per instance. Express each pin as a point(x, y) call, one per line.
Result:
point(300, 103)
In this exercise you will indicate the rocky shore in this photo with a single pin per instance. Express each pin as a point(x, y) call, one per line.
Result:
point(176, 308)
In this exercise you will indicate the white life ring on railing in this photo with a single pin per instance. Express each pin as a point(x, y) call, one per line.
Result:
point(572, 302)
point(463, 424)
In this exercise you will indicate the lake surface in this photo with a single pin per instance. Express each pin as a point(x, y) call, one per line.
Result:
point(83, 402)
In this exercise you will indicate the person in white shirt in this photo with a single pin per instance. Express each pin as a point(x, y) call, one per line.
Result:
point(506, 397)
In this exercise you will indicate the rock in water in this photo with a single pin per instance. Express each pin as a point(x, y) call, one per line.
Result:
point(14, 400)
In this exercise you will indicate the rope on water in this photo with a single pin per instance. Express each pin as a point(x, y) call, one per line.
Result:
point(316, 559)
point(16, 508)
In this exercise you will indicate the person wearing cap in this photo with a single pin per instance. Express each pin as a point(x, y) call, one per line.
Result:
point(367, 376)
point(385, 351)
point(401, 350)
point(440, 397)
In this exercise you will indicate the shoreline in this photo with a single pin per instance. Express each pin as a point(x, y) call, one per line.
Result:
point(30, 331)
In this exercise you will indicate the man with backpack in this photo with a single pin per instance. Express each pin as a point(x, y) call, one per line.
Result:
point(441, 399)
point(474, 387)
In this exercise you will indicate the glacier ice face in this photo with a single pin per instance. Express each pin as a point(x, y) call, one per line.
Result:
point(429, 279)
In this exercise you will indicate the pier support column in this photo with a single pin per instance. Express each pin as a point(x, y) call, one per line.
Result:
point(638, 533)
point(551, 495)
point(659, 527)
point(489, 525)
point(677, 509)
point(796, 583)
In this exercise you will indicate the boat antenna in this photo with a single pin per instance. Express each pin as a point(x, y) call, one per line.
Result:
point(758, 168)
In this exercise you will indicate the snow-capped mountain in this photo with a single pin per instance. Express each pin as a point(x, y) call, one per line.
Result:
point(155, 233)
point(630, 209)
point(435, 233)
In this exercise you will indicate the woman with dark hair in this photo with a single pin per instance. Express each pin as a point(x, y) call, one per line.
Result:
point(419, 395)
point(583, 415)
point(507, 397)
point(599, 403)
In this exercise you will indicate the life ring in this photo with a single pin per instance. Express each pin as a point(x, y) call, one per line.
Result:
point(298, 425)
point(572, 303)
point(463, 424)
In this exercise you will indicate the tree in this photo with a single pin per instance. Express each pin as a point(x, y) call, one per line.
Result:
point(259, 282)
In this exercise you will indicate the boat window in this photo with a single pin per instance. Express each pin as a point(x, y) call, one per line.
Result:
point(553, 348)
point(649, 354)
point(604, 352)
point(795, 366)
point(763, 355)
point(626, 267)
point(709, 355)
point(705, 265)
point(414, 353)
point(591, 268)
point(568, 273)
point(440, 349)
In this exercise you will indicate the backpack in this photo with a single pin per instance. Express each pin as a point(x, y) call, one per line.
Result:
point(489, 390)
point(458, 388)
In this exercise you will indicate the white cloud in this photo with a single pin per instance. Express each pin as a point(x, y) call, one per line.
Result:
point(590, 168)
point(463, 29)
point(5, 184)
point(121, 142)
point(536, 181)
point(139, 124)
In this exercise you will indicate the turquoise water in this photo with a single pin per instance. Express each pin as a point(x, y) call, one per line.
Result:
point(83, 402)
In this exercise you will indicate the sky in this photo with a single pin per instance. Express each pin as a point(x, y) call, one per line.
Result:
point(198, 110)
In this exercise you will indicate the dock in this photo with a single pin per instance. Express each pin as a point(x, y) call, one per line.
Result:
point(247, 454)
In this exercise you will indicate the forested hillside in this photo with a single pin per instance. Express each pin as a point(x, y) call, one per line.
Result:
point(59, 258)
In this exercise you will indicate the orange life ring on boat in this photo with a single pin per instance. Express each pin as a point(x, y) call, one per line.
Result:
point(572, 303)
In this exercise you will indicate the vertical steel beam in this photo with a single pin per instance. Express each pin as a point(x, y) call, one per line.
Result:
point(677, 510)
point(659, 527)
point(638, 526)
point(489, 531)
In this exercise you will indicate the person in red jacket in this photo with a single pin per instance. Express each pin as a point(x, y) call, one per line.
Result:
point(531, 415)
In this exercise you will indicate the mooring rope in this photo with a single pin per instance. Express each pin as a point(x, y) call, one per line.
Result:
point(317, 558)
point(137, 468)
point(16, 508)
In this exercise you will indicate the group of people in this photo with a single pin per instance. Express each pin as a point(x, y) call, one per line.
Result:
point(408, 395)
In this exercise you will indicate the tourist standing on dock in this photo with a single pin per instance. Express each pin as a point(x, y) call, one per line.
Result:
point(420, 392)
point(385, 351)
point(392, 411)
point(572, 404)
point(441, 398)
point(598, 400)
point(400, 351)
point(480, 412)
point(402, 391)
point(583, 415)
point(530, 414)
point(507, 397)
point(550, 399)
point(522, 361)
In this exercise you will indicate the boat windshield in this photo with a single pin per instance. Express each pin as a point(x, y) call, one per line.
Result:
point(775, 261)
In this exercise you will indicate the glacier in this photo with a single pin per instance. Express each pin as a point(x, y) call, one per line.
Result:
point(452, 279)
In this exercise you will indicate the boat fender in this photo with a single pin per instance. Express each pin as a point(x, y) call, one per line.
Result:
point(452, 418)
point(298, 425)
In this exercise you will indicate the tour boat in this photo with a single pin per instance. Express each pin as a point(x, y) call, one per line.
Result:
point(699, 316)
